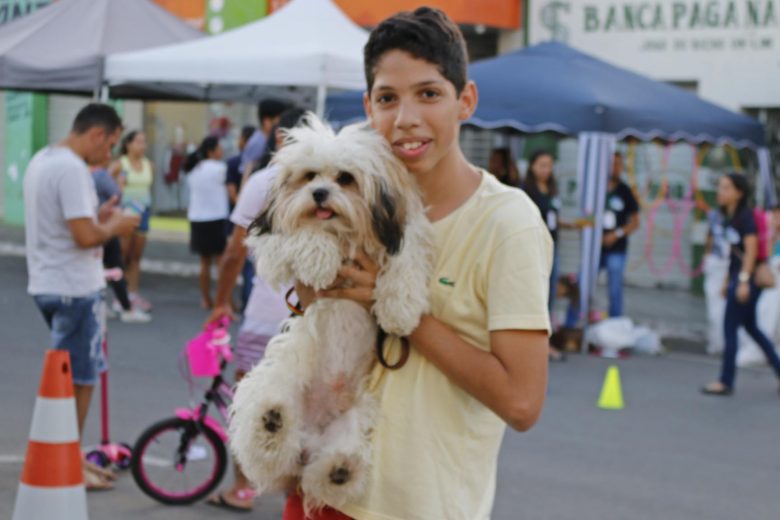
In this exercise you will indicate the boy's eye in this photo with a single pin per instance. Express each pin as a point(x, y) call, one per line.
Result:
point(310, 176)
point(345, 179)
point(383, 99)
point(430, 94)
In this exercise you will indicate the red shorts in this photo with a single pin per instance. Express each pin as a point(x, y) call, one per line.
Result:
point(293, 510)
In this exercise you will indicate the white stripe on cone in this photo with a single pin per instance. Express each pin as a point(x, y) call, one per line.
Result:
point(40, 503)
point(54, 421)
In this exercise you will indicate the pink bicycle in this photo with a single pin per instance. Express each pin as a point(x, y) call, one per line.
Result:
point(181, 459)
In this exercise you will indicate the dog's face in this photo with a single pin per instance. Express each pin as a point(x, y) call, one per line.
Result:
point(350, 185)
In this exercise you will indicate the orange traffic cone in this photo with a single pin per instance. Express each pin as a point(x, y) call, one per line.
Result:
point(52, 482)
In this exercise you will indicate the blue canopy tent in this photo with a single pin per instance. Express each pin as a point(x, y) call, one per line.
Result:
point(552, 87)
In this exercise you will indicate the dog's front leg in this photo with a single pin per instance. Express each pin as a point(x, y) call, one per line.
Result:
point(401, 292)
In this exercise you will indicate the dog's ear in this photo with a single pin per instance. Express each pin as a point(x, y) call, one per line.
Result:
point(387, 219)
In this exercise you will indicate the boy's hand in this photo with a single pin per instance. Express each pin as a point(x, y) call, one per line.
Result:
point(363, 280)
point(609, 239)
point(306, 295)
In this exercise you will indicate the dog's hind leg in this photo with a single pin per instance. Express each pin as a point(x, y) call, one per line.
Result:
point(267, 411)
point(339, 468)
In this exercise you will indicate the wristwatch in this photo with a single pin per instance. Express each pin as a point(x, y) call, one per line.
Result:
point(620, 233)
point(744, 277)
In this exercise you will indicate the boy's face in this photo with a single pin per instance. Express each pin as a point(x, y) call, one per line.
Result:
point(417, 110)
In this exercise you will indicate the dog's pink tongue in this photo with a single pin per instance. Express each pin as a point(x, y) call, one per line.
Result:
point(323, 214)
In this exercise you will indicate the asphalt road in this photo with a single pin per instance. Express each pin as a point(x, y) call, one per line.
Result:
point(671, 454)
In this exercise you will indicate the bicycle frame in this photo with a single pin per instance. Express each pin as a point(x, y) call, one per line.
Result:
point(221, 395)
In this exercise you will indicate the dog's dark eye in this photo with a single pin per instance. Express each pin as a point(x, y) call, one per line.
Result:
point(345, 179)
point(310, 176)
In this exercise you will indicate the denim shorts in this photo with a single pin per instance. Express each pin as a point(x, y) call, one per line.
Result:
point(77, 325)
point(142, 210)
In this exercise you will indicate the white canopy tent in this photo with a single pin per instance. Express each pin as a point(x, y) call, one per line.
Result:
point(307, 43)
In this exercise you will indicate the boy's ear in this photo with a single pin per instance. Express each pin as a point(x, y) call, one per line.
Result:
point(468, 100)
point(367, 107)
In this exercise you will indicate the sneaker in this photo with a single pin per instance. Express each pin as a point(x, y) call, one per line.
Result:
point(134, 316)
point(140, 302)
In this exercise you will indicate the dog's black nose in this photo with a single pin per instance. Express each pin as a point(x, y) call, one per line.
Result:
point(320, 195)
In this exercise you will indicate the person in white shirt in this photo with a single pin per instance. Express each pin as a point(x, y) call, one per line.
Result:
point(208, 209)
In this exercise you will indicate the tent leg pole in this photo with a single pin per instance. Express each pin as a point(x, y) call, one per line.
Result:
point(322, 92)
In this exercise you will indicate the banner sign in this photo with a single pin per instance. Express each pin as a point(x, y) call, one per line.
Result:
point(707, 42)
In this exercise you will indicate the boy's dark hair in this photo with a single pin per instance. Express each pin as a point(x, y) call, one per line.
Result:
point(247, 131)
point(96, 114)
point(427, 34)
point(270, 108)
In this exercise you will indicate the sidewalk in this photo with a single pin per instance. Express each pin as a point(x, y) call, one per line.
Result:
point(678, 316)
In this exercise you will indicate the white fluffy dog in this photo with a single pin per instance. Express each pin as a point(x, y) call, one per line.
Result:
point(304, 413)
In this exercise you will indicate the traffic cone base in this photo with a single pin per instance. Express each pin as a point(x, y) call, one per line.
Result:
point(52, 481)
point(611, 397)
point(34, 502)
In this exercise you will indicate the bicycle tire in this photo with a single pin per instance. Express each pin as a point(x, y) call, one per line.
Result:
point(153, 489)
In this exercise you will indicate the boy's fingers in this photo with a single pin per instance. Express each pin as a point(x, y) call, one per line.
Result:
point(365, 263)
point(359, 294)
point(357, 276)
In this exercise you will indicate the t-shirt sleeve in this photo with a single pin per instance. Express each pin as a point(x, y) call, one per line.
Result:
point(76, 193)
point(632, 206)
point(251, 200)
point(519, 280)
point(746, 225)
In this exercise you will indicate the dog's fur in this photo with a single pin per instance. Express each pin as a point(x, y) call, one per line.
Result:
point(304, 412)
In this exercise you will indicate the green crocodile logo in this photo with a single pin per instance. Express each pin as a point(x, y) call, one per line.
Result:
point(446, 281)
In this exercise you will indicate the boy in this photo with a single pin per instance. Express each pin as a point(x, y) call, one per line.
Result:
point(479, 360)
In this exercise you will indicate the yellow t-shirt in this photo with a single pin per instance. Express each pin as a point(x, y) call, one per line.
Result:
point(435, 446)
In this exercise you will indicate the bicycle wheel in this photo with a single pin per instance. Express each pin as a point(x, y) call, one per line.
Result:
point(176, 462)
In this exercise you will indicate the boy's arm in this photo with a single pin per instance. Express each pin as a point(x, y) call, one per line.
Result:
point(511, 379)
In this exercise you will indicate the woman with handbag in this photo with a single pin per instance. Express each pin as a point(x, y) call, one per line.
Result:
point(744, 283)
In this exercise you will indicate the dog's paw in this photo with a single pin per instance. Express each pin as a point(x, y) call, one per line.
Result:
point(272, 420)
point(335, 478)
point(340, 475)
point(397, 318)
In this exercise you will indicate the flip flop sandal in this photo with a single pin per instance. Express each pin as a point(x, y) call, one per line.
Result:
point(219, 501)
point(94, 483)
